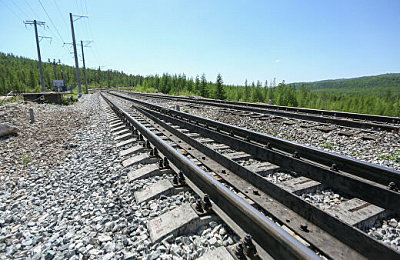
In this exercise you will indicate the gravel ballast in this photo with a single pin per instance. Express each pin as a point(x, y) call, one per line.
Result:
point(71, 198)
point(383, 149)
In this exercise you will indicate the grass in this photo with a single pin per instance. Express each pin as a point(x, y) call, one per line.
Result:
point(328, 145)
point(26, 160)
point(186, 111)
point(13, 100)
point(69, 99)
point(395, 157)
point(143, 89)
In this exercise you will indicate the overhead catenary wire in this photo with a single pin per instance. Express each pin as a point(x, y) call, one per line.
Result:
point(85, 6)
point(89, 32)
point(44, 9)
point(61, 15)
point(93, 50)
point(12, 1)
point(58, 33)
point(95, 56)
point(33, 11)
point(16, 15)
point(82, 6)
point(28, 10)
point(77, 6)
point(58, 53)
point(85, 30)
point(88, 28)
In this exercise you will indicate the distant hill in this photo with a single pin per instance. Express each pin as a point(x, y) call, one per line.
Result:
point(369, 85)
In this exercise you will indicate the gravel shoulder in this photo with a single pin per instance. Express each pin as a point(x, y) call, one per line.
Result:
point(72, 200)
point(43, 144)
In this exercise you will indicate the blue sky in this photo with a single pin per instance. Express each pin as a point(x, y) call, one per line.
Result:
point(294, 41)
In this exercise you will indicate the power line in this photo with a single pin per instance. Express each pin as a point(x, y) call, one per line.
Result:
point(87, 22)
point(86, 7)
point(61, 38)
point(82, 6)
point(88, 29)
point(77, 6)
point(95, 57)
point(58, 53)
point(19, 9)
point(33, 11)
point(85, 27)
point(92, 49)
point(56, 35)
point(61, 15)
point(12, 11)
point(51, 21)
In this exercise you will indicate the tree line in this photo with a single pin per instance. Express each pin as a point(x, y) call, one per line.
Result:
point(366, 102)
point(376, 85)
point(22, 75)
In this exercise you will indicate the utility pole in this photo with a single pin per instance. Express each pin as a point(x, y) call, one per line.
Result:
point(54, 67)
point(36, 23)
point(84, 68)
point(101, 78)
point(39, 57)
point(78, 77)
point(83, 58)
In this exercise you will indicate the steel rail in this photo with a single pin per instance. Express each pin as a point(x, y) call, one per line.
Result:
point(338, 163)
point(272, 238)
point(348, 184)
point(362, 188)
point(336, 117)
point(377, 118)
point(350, 235)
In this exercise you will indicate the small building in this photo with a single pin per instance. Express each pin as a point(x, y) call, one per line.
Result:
point(59, 85)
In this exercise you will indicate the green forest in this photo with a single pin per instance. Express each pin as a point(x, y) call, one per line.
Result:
point(376, 85)
point(20, 74)
point(378, 95)
point(366, 101)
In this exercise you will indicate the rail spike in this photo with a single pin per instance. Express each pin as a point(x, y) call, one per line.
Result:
point(393, 186)
point(249, 249)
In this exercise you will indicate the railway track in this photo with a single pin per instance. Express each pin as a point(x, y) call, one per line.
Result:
point(346, 119)
point(266, 187)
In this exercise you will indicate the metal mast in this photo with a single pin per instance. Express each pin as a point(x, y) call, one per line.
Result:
point(84, 68)
point(78, 76)
point(36, 23)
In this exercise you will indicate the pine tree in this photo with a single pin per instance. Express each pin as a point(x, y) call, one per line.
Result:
point(197, 85)
point(246, 91)
point(221, 94)
point(203, 86)
point(190, 85)
point(3, 87)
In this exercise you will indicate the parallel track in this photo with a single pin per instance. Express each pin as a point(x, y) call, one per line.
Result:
point(325, 233)
point(352, 120)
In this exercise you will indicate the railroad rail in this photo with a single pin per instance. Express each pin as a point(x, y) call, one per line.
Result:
point(279, 243)
point(324, 232)
point(352, 120)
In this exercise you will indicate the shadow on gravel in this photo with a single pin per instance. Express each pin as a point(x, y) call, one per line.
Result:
point(8, 137)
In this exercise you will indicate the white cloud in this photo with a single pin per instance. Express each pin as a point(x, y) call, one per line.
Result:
point(277, 60)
